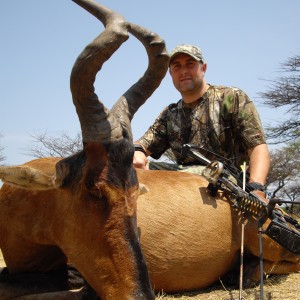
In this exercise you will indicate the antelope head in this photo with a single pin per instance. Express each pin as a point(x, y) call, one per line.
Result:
point(107, 182)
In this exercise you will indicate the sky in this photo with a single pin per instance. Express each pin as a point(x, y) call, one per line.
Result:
point(243, 43)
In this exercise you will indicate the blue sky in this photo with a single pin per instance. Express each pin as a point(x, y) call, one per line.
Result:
point(243, 43)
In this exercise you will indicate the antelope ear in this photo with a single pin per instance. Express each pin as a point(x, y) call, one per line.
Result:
point(143, 189)
point(26, 177)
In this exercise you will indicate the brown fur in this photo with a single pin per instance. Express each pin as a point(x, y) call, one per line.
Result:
point(42, 229)
point(188, 237)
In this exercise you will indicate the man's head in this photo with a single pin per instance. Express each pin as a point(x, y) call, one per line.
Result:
point(187, 69)
point(190, 50)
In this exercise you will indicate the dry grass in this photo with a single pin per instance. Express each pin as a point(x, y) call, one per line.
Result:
point(284, 287)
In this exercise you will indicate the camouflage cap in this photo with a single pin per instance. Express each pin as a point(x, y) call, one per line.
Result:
point(191, 50)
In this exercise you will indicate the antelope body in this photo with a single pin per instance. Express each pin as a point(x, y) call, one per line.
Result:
point(189, 239)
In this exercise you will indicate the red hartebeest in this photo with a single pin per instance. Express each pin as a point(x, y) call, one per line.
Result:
point(82, 209)
point(88, 214)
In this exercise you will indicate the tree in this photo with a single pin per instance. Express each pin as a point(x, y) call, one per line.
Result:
point(285, 162)
point(284, 174)
point(285, 92)
point(61, 146)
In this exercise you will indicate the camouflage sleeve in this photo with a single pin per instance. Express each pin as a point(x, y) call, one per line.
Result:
point(248, 122)
point(155, 139)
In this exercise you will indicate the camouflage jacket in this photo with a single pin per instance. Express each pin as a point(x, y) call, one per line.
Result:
point(224, 122)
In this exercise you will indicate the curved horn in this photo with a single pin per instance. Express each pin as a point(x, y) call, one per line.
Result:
point(93, 116)
point(158, 64)
point(97, 123)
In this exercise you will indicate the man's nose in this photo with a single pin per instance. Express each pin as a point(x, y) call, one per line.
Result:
point(184, 69)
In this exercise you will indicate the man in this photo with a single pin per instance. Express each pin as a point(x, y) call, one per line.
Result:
point(222, 121)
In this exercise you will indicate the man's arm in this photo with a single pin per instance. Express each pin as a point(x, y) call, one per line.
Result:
point(259, 168)
point(259, 163)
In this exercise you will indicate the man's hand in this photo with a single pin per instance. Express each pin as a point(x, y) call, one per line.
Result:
point(140, 160)
point(257, 189)
point(261, 195)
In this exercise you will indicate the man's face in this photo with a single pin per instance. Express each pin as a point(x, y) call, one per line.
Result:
point(187, 73)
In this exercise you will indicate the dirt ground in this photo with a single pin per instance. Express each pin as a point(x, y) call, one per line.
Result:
point(284, 287)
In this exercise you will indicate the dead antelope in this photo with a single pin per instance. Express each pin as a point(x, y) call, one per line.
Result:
point(82, 209)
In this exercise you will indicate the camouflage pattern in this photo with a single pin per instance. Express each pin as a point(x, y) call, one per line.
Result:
point(191, 50)
point(223, 121)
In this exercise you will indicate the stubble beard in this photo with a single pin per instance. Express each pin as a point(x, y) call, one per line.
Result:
point(190, 87)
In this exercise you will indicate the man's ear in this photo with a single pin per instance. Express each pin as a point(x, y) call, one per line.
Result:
point(204, 67)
